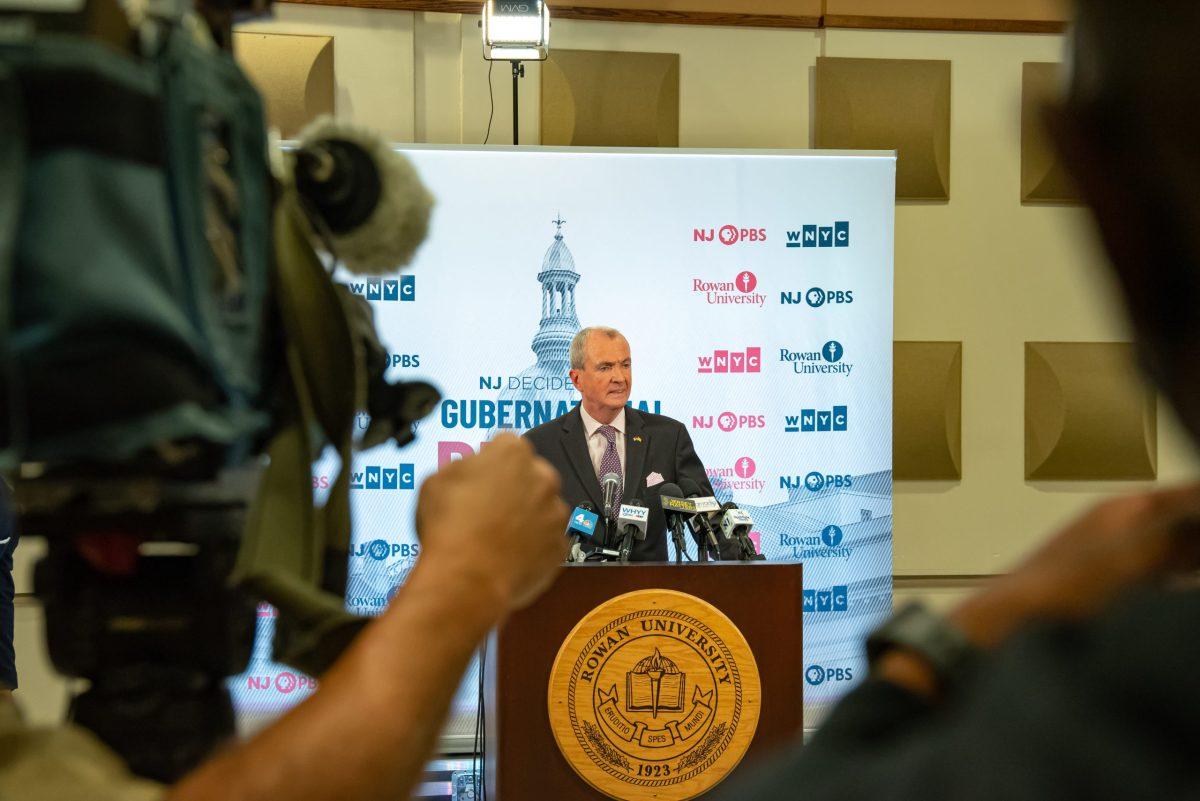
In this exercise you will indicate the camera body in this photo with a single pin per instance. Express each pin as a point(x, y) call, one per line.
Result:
point(165, 323)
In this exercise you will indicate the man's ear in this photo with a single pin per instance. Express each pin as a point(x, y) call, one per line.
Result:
point(574, 376)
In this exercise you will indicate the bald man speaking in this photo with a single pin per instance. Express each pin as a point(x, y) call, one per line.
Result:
point(602, 435)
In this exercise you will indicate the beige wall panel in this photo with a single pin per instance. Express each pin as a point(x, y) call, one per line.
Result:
point(781, 7)
point(1087, 413)
point(889, 104)
point(738, 87)
point(992, 273)
point(437, 78)
point(599, 98)
point(294, 74)
point(1032, 10)
point(1043, 176)
point(42, 695)
point(927, 411)
point(372, 60)
point(940, 595)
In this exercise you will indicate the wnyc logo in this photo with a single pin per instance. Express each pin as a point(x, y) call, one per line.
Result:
point(820, 236)
point(729, 234)
point(729, 421)
point(835, 419)
point(738, 292)
point(831, 599)
point(738, 477)
point(391, 290)
point(377, 477)
point(732, 361)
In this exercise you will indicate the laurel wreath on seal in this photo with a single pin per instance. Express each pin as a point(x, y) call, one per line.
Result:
point(701, 752)
point(604, 748)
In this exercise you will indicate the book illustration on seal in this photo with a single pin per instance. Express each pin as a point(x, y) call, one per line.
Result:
point(655, 684)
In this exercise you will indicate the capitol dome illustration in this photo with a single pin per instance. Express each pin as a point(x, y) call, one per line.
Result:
point(547, 379)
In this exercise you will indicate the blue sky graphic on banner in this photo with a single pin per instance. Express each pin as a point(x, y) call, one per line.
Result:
point(755, 289)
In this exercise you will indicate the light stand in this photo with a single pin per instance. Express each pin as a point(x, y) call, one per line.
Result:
point(516, 32)
point(518, 73)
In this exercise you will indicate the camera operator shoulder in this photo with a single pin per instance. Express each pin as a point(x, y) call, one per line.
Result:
point(65, 763)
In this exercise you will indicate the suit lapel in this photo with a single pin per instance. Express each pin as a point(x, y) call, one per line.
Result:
point(574, 442)
point(637, 443)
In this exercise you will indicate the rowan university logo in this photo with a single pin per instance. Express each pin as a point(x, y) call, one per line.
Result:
point(654, 694)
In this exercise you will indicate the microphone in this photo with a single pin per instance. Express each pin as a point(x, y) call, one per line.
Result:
point(581, 527)
point(702, 530)
point(736, 524)
point(673, 503)
point(632, 520)
point(609, 482)
point(364, 200)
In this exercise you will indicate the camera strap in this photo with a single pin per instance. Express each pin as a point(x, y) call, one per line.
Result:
point(294, 555)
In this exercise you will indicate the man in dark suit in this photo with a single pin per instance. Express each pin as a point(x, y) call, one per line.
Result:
point(602, 435)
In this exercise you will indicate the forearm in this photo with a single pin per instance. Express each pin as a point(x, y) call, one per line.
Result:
point(368, 731)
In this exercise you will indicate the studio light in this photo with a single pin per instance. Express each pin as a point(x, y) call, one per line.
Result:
point(516, 31)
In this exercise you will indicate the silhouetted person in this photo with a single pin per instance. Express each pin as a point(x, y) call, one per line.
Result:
point(1073, 677)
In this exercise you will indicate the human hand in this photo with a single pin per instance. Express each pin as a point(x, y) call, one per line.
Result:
point(1115, 546)
point(496, 519)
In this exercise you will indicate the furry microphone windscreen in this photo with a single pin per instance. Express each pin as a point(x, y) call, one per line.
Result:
point(369, 200)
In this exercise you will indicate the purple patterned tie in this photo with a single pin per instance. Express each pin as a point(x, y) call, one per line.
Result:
point(611, 463)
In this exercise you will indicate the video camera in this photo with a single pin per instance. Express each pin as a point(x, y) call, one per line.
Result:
point(174, 354)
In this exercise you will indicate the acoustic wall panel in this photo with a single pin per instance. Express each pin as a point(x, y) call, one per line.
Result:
point(1043, 177)
point(889, 104)
point(1088, 415)
point(601, 98)
point(293, 73)
point(927, 411)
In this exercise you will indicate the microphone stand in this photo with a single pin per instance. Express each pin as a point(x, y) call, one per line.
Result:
point(701, 545)
point(677, 535)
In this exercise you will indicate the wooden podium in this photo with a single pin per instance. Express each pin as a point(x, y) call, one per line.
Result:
point(524, 761)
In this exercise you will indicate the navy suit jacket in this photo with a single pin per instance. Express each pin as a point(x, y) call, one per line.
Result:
point(653, 444)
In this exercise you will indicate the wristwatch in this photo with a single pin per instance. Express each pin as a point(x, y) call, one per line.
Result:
point(949, 653)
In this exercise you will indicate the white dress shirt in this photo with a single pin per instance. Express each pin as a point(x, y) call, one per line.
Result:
point(597, 442)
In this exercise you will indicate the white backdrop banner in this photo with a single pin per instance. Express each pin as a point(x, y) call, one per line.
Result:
point(755, 289)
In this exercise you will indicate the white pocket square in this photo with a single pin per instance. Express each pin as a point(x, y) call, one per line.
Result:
point(653, 480)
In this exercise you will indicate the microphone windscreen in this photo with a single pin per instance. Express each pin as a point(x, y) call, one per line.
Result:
point(690, 488)
point(385, 233)
point(670, 491)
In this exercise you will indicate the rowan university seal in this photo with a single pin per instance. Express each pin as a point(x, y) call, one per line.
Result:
point(654, 694)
